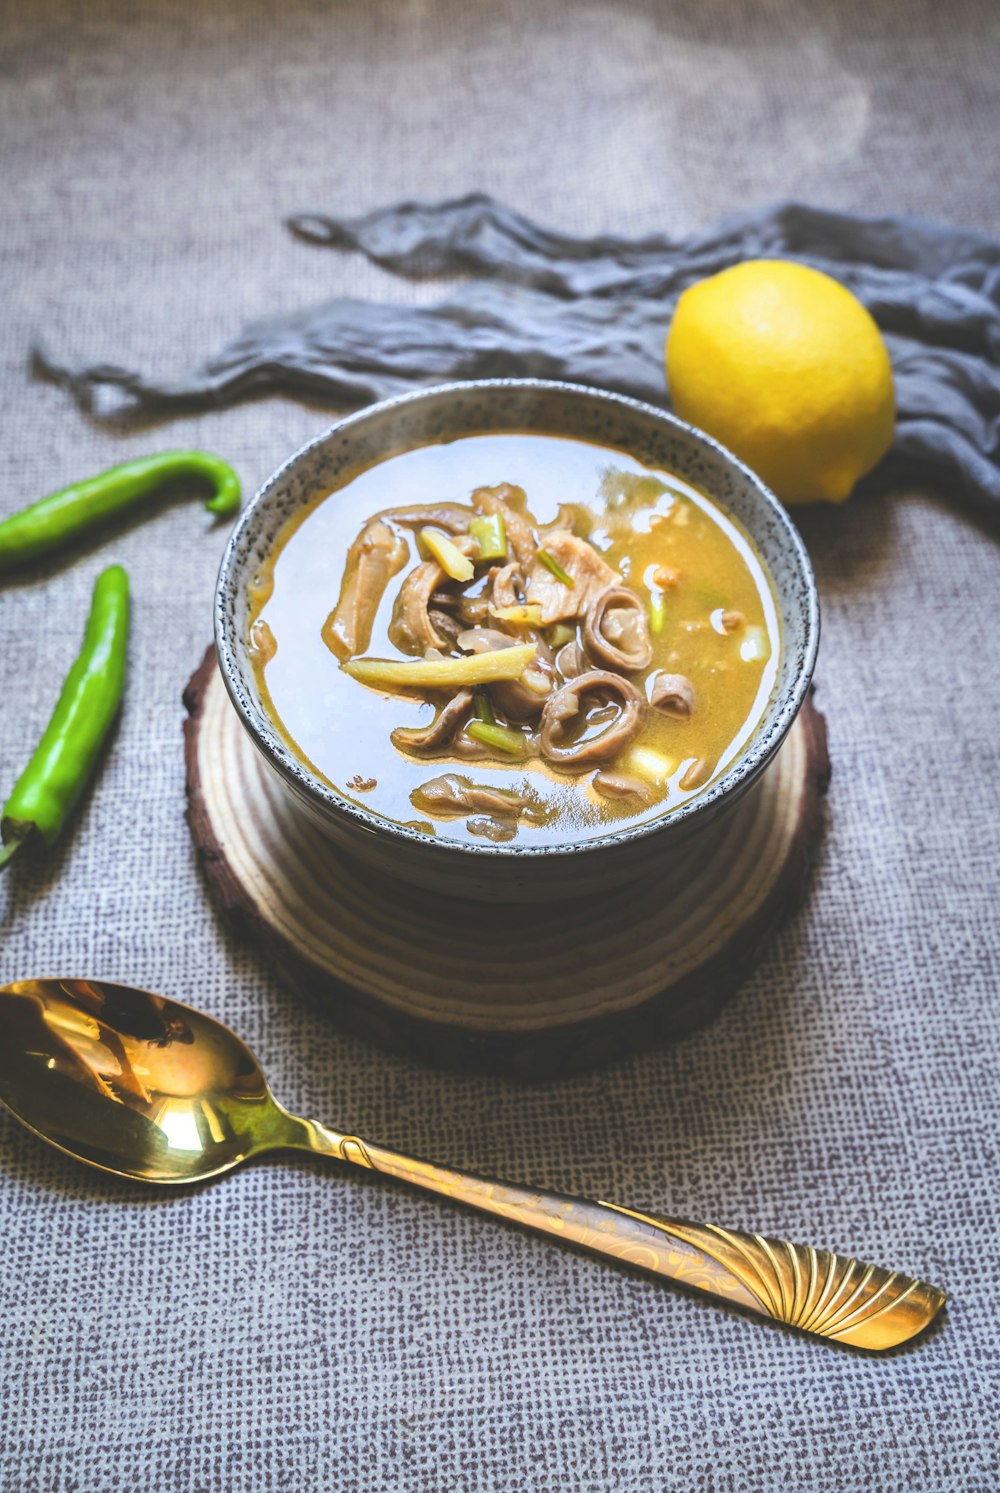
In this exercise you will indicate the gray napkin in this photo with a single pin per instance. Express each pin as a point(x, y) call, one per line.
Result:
point(595, 311)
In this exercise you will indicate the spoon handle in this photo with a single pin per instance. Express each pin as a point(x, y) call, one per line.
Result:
point(814, 1290)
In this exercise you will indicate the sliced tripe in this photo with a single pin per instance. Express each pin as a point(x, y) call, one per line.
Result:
point(412, 628)
point(373, 559)
point(623, 786)
point(441, 729)
point(589, 573)
point(451, 795)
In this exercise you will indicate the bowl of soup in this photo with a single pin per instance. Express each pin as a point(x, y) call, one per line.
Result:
point(515, 639)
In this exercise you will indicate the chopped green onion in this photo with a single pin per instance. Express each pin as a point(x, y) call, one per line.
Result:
point(490, 536)
point(657, 612)
point(559, 635)
point(484, 710)
point(500, 737)
point(553, 565)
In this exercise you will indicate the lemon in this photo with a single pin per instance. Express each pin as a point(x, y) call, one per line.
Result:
point(785, 367)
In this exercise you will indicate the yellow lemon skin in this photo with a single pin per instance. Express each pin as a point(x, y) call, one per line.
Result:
point(785, 367)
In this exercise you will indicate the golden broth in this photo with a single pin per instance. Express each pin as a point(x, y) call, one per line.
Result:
point(713, 619)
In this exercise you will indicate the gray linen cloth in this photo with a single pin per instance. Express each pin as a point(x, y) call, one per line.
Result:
point(294, 1331)
point(595, 311)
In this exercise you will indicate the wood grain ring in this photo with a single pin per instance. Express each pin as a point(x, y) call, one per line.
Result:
point(580, 983)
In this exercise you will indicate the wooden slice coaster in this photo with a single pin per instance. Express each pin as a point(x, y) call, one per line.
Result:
point(517, 990)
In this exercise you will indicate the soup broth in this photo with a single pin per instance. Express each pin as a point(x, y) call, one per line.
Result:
point(653, 631)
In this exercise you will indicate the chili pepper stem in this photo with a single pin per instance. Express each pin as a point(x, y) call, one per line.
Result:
point(8, 851)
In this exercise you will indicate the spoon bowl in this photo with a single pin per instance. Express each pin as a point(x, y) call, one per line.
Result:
point(150, 1089)
point(133, 1083)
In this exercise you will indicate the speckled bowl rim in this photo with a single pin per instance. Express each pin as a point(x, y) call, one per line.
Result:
point(750, 762)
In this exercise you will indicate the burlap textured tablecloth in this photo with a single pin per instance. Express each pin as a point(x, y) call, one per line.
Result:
point(292, 1329)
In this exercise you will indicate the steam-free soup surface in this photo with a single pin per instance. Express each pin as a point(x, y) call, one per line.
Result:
point(667, 636)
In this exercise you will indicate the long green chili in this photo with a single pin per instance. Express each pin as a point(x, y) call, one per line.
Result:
point(48, 788)
point(57, 520)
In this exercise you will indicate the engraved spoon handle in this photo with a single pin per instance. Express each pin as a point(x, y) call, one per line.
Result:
point(814, 1290)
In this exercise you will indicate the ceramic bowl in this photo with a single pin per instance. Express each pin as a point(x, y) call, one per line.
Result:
point(518, 871)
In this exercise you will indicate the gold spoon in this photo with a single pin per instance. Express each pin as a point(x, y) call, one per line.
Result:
point(146, 1088)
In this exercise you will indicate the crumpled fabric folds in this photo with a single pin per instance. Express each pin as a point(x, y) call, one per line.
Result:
point(535, 303)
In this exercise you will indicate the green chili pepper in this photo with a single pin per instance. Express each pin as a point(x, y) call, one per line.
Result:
point(53, 780)
point(490, 535)
point(56, 520)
